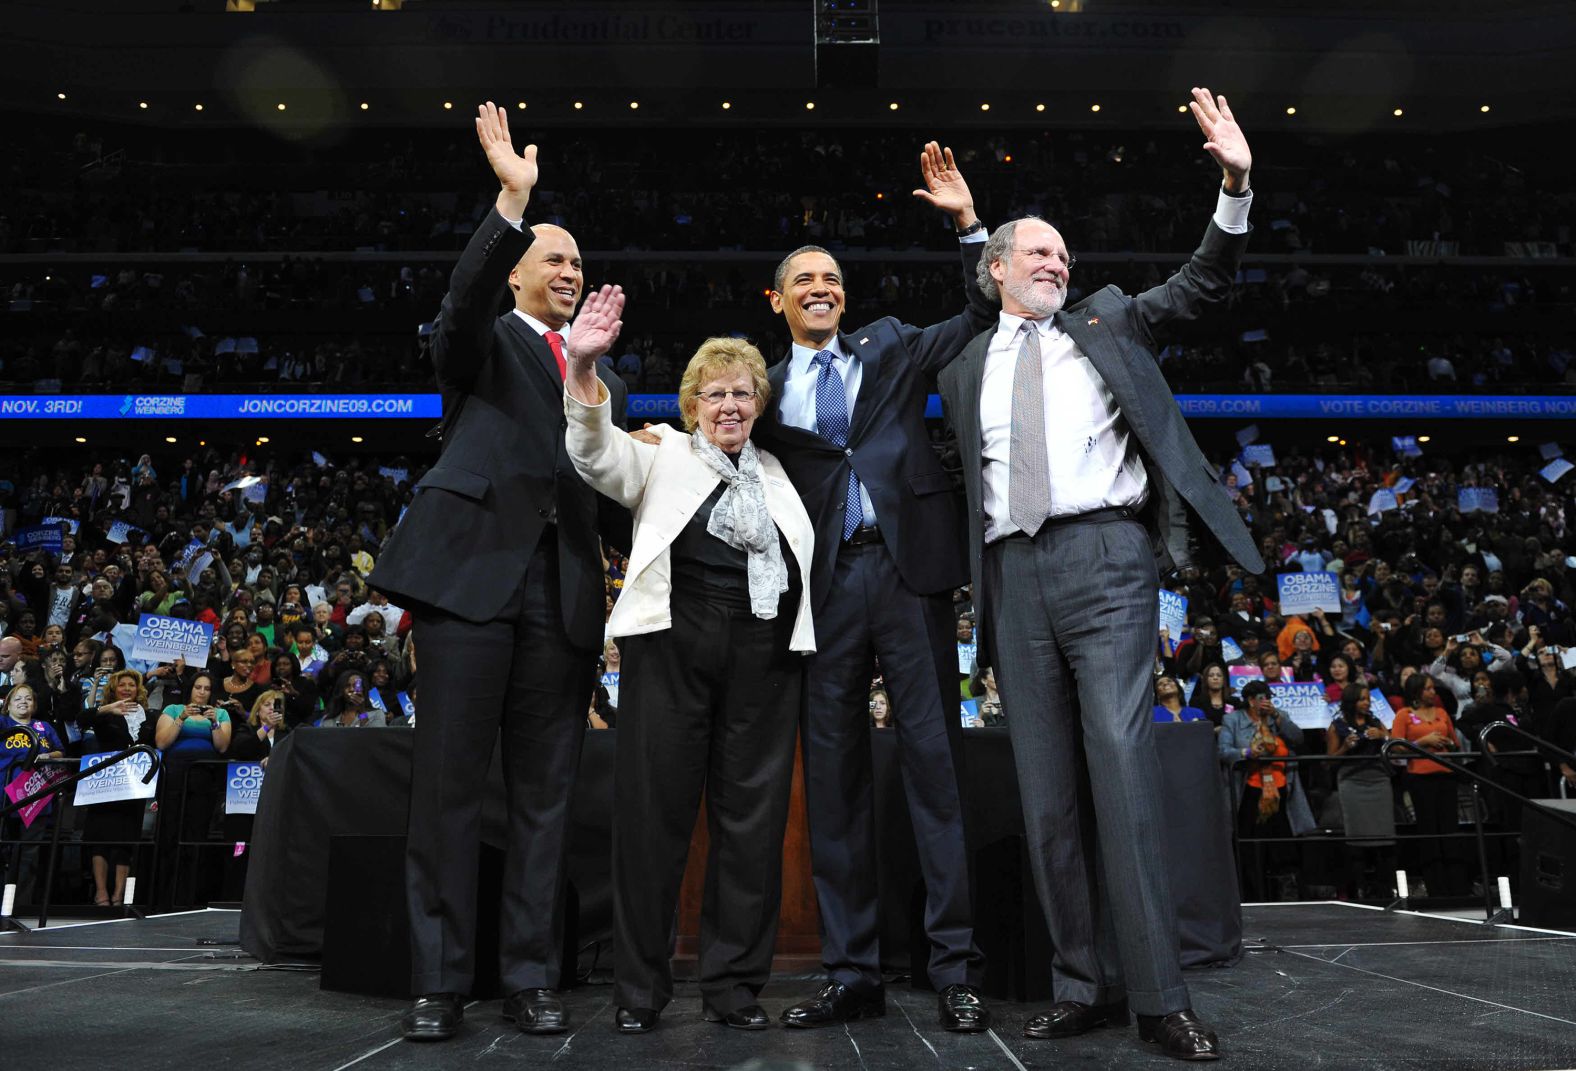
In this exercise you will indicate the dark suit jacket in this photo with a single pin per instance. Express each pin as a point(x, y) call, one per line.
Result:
point(479, 511)
point(916, 502)
point(1119, 334)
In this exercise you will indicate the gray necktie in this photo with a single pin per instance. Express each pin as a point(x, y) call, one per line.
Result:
point(1029, 471)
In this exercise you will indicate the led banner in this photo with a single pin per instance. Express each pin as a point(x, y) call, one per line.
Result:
point(219, 406)
point(666, 406)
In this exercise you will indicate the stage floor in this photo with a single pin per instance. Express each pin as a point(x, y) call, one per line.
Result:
point(1323, 985)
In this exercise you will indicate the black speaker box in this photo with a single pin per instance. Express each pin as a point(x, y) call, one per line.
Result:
point(1548, 868)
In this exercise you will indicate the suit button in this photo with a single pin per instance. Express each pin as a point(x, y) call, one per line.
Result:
point(848, 452)
point(563, 425)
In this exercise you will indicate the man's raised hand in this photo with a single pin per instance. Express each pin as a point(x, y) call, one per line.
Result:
point(516, 172)
point(944, 185)
point(1225, 140)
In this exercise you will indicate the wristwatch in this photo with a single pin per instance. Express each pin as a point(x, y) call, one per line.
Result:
point(973, 228)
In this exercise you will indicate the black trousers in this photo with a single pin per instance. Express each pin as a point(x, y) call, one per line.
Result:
point(1434, 802)
point(517, 673)
point(872, 614)
point(713, 703)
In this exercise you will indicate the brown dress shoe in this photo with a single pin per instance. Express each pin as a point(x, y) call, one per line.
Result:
point(1180, 1035)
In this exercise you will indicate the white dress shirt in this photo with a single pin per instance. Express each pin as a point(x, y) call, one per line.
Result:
point(797, 405)
point(1093, 463)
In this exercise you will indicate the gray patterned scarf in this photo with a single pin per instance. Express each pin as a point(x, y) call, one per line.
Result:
point(740, 519)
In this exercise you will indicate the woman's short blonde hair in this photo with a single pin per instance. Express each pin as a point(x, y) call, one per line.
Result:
point(716, 356)
point(114, 682)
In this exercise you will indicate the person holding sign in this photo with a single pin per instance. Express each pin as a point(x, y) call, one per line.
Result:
point(117, 723)
point(714, 622)
point(498, 559)
point(1079, 473)
point(20, 708)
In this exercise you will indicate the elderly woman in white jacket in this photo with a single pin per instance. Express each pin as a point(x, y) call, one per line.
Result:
point(714, 623)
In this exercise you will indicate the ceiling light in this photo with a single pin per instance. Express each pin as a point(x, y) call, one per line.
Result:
point(1094, 107)
point(365, 105)
point(809, 105)
point(1513, 438)
point(521, 105)
point(196, 107)
point(634, 105)
point(727, 104)
point(169, 438)
point(62, 96)
point(1424, 438)
point(1398, 113)
point(80, 439)
point(355, 438)
point(892, 107)
point(1007, 159)
point(1343, 442)
point(448, 105)
point(579, 104)
point(1291, 111)
point(985, 107)
point(1181, 107)
point(281, 105)
point(1483, 109)
point(1039, 107)
point(261, 439)
point(143, 105)
point(1332, 438)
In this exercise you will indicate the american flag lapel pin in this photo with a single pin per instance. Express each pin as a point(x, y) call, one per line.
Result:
point(1094, 320)
point(865, 341)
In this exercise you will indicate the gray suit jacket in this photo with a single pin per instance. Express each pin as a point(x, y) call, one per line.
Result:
point(1119, 334)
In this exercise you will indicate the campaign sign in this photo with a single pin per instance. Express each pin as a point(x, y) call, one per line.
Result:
point(1238, 676)
point(1303, 593)
point(164, 639)
point(1477, 500)
point(966, 655)
point(1555, 469)
point(1406, 445)
point(1303, 702)
point(110, 784)
point(120, 532)
point(407, 705)
point(28, 782)
point(1173, 618)
point(1381, 501)
point(39, 537)
point(610, 682)
point(1260, 454)
point(970, 713)
point(1229, 649)
point(243, 783)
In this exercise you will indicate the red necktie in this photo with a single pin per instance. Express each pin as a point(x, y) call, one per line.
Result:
point(556, 341)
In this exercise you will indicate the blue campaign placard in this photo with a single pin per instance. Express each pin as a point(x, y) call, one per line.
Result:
point(164, 639)
point(1303, 593)
point(1303, 702)
point(1229, 649)
point(243, 784)
point(111, 784)
point(33, 537)
point(1173, 618)
point(1260, 454)
point(967, 652)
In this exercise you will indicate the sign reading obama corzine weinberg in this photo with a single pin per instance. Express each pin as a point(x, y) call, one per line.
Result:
point(164, 639)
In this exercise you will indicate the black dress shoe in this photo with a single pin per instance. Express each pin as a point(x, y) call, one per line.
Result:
point(536, 1011)
point(1069, 1018)
point(962, 1010)
point(635, 1020)
point(434, 1017)
point(749, 1017)
point(836, 1003)
point(1180, 1035)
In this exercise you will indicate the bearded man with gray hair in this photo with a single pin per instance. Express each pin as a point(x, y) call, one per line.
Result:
point(1079, 470)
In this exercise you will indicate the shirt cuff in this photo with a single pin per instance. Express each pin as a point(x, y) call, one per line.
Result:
point(978, 236)
point(517, 224)
point(1231, 212)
